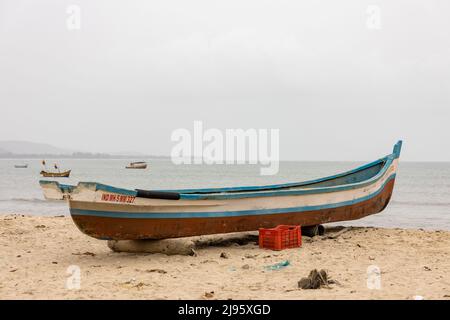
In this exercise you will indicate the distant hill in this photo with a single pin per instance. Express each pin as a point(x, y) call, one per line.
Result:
point(128, 153)
point(25, 147)
point(32, 150)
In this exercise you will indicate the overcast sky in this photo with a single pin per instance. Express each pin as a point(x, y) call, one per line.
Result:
point(337, 86)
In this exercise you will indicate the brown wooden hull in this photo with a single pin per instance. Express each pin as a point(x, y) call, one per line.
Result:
point(64, 174)
point(129, 228)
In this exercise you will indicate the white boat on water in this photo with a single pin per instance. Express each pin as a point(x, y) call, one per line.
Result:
point(137, 165)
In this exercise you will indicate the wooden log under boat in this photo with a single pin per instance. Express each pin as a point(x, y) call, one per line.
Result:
point(64, 174)
point(106, 212)
point(182, 246)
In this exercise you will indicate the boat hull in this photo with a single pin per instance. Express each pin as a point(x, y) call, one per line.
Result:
point(64, 174)
point(154, 228)
point(106, 212)
point(137, 165)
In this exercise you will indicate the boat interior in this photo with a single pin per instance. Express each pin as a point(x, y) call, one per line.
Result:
point(349, 179)
point(359, 174)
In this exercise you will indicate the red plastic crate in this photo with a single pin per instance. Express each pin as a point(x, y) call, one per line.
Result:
point(280, 237)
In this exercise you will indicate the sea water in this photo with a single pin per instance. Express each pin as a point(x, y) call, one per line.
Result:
point(421, 197)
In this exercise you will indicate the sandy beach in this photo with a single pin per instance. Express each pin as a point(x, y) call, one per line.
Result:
point(40, 254)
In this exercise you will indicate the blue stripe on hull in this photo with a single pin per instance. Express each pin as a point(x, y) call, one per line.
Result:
point(219, 214)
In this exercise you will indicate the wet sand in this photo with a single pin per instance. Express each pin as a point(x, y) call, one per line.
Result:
point(41, 257)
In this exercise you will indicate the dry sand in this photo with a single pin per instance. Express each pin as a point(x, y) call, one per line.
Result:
point(36, 253)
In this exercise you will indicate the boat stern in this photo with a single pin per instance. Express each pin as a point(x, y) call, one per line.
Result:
point(51, 190)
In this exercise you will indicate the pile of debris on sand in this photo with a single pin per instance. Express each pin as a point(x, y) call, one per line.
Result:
point(316, 280)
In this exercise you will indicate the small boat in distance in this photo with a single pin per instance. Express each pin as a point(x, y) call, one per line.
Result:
point(137, 165)
point(50, 174)
point(64, 174)
point(106, 212)
point(21, 166)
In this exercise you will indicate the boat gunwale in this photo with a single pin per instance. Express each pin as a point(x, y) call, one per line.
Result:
point(268, 193)
point(272, 193)
point(59, 185)
point(223, 191)
point(395, 154)
point(262, 193)
point(271, 190)
point(219, 214)
point(283, 185)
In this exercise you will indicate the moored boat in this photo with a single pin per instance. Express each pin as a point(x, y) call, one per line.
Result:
point(21, 166)
point(106, 212)
point(53, 190)
point(47, 174)
point(54, 174)
point(137, 165)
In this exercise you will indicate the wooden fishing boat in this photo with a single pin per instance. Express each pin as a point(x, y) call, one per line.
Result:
point(53, 190)
point(137, 165)
point(106, 212)
point(47, 174)
point(21, 166)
